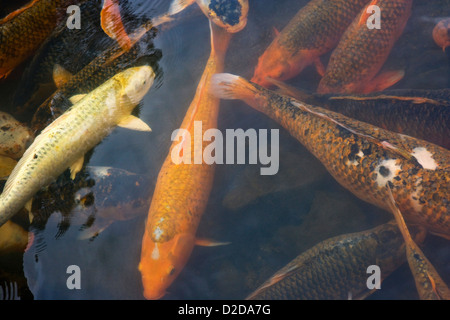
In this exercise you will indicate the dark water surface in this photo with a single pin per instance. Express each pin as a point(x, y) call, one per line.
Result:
point(268, 220)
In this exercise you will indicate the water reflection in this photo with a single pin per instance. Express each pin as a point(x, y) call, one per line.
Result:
point(283, 218)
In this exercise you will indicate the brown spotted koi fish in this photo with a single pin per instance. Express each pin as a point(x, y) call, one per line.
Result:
point(182, 190)
point(363, 158)
point(315, 30)
point(362, 51)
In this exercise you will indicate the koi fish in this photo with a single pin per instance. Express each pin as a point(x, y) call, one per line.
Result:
point(423, 114)
point(361, 157)
point(337, 267)
point(107, 64)
point(23, 31)
point(314, 30)
point(230, 15)
point(362, 51)
point(429, 283)
point(65, 141)
point(182, 190)
point(441, 33)
point(14, 137)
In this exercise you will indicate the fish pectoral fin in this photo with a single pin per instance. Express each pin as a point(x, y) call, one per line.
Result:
point(209, 243)
point(28, 208)
point(384, 80)
point(276, 32)
point(134, 123)
point(74, 99)
point(60, 75)
point(76, 167)
point(319, 66)
point(179, 5)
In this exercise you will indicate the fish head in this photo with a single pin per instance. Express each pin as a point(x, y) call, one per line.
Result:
point(273, 64)
point(162, 262)
point(135, 84)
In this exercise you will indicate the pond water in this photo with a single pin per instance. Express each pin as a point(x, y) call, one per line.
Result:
point(268, 220)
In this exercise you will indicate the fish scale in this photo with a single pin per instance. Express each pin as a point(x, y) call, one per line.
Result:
point(361, 178)
point(21, 35)
point(361, 52)
point(361, 157)
point(337, 267)
point(70, 136)
point(314, 30)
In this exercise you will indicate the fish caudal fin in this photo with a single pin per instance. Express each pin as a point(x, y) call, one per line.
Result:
point(111, 22)
point(230, 87)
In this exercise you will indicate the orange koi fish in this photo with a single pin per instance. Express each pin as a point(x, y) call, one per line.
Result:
point(315, 30)
point(182, 190)
point(111, 22)
point(362, 51)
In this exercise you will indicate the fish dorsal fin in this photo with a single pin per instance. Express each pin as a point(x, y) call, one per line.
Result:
point(381, 143)
point(134, 123)
point(60, 75)
point(76, 98)
point(179, 5)
point(17, 12)
point(277, 277)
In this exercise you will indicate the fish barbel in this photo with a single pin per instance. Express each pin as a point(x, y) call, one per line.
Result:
point(337, 267)
point(314, 30)
point(362, 51)
point(361, 157)
point(182, 190)
point(22, 31)
point(65, 141)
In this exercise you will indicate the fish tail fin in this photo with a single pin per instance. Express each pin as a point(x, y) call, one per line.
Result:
point(112, 25)
point(230, 87)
